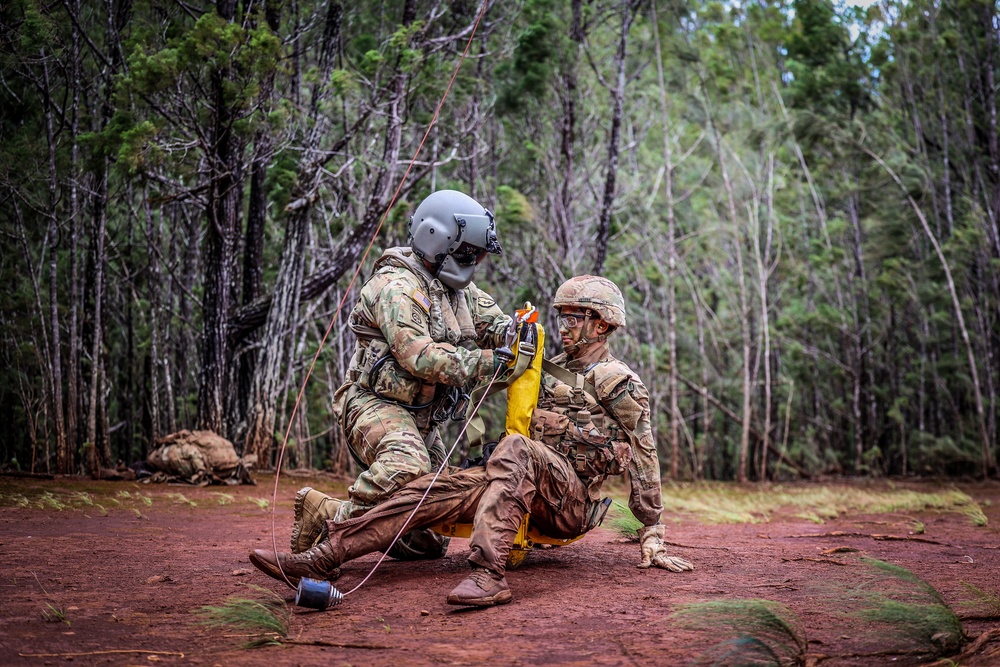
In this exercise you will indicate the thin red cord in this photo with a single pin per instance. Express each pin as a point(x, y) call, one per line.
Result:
point(357, 271)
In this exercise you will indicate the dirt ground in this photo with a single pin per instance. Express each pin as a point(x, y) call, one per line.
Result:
point(109, 573)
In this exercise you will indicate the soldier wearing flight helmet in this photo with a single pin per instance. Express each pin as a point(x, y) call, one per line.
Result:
point(425, 335)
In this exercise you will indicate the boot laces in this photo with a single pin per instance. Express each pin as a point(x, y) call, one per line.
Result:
point(483, 578)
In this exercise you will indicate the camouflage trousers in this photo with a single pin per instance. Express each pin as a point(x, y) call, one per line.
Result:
point(397, 445)
point(522, 476)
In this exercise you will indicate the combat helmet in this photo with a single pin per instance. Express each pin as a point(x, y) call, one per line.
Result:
point(596, 293)
point(454, 232)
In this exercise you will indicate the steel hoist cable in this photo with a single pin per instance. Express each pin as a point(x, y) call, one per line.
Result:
point(354, 277)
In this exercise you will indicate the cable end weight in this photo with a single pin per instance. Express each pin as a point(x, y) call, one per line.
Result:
point(316, 594)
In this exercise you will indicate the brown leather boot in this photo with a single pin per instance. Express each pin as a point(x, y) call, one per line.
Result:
point(315, 563)
point(482, 588)
point(312, 510)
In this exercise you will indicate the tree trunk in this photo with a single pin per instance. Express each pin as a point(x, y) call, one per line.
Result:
point(564, 217)
point(96, 396)
point(276, 340)
point(222, 215)
point(668, 190)
point(53, 235)
point(617, 102)
point(763, 273)
point(154, 285)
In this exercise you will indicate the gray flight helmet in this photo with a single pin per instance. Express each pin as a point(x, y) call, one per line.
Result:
point(454, 232)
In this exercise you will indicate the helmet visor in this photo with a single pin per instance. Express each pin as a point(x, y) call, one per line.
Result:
point(468, 254)
point(479, 231)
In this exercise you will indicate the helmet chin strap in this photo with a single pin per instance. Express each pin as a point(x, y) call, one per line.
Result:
point(573, 349)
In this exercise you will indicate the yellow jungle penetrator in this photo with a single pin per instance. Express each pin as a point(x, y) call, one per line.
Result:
point(522, 396)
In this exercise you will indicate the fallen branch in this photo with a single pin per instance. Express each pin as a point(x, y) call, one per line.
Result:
point(815, 560)
point(832, 533)
point(838, 550)
point(874, 536)
point(971, 650)
point(320, 642)
point(107, 652)
point(688, 546)
point(910, 538)
point(30, 475)
point(783, 585)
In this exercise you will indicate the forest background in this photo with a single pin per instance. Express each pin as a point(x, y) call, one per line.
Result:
point(800, 201)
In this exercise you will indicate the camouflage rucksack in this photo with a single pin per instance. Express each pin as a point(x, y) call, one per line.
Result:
point(198, 457)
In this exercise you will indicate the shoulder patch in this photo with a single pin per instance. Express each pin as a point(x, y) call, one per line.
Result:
point(421, 298)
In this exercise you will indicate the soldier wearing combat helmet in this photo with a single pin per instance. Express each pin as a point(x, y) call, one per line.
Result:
point(425, 335)
point(591, 422)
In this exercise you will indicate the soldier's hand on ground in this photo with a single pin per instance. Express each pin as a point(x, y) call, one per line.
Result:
point(654, 552)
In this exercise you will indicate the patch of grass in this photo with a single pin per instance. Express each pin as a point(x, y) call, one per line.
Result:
point(988, 599)
point(81, 498)
point(975, 514)
point(224, 498)
point(182, 499)
point(267, 617)
point(262, 503)
point(54, 614)
point(754, 632)
point(47, 500)
point(621, 520)
point(721, 502)
point(905, 610)
point(138, 514)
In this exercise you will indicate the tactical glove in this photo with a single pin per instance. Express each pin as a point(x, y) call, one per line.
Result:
point(503, 359)
point(654, 551)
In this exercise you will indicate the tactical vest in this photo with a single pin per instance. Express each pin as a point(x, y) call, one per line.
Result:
point(373, 367)
point(570, 420)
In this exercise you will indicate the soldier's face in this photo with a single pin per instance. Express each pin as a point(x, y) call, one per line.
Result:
point(572, 324)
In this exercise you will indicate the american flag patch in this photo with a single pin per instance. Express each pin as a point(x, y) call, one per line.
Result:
point(421, 299)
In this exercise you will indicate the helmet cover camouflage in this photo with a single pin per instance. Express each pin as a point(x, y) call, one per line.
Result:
point(596, 293)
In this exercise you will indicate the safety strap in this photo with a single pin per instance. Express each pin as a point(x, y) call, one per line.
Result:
point(574, 380)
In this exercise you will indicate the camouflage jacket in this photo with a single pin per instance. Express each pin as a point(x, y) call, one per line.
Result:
point(613, 432)
point(423, 332)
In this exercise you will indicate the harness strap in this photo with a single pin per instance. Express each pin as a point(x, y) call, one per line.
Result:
point(476, 430)
point(574, 380)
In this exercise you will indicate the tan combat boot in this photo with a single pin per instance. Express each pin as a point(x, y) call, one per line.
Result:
point(315, 563)
point(312, 510)
point(482, 588)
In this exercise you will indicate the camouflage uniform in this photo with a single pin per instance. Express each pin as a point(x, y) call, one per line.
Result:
point(529, 475)
point(418, 348)
point(592, 421)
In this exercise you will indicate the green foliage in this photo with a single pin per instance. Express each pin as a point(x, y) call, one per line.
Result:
point(53, 614)
point(907, 612)
point(783, 95)
point(984, 598)
point(530, 72)
point(621, 520)
point(755, 632)
point(267, 615)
